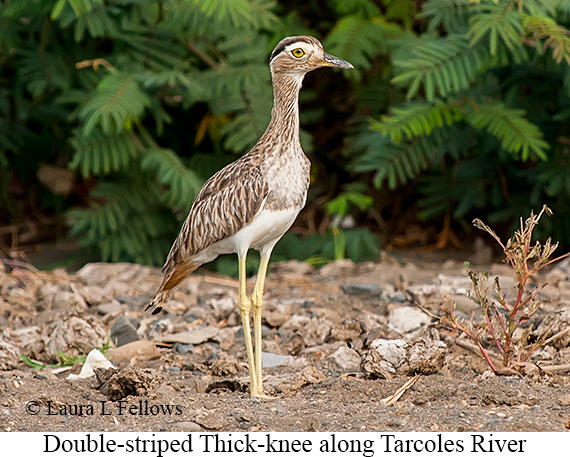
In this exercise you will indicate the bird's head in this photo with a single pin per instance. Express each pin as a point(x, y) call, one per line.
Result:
point(297, 55)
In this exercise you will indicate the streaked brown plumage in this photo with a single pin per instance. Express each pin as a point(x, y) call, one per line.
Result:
point(253, 201)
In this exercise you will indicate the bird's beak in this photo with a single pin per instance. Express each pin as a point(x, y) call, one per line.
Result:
point(332, 61)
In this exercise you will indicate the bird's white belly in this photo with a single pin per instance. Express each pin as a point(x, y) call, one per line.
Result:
point(263, 232)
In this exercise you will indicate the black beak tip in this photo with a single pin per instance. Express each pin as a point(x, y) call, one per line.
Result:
point(337, 62)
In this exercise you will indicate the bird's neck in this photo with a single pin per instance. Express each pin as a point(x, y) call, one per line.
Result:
point(285, 113)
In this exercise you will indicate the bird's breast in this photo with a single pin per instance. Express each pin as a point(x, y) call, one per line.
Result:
point(288, 180)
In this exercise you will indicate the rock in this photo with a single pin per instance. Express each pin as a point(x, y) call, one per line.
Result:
point(46, 291)
point(425, 357)
point(134, 301)
point(187, 426)
point(163, 326)
point(454, 284)
point(290, 342)
point(348, 330)
point(310, 327)
point(275, 318)
point(465, 305)
point(559, 272)
point(389, 357)
point(308, 375)
point(483, 253)
point(93, 295)
point(399, 297)
point(222, 307)
point(227, 337)
point(322, 350)
point(117, 278)
point(565, 400)
point(211, 420)
point(95, 360)
point(112, 307)
point(76, 336)
point(29, 340)
point(346, 358)
point(9, 355)
point(486, 375)
point(123, 331)
point(270, 360)
point(364, 289)
point(384, 356)
point(69, 301)
point(95, 274)
point(140, 350)
point(196, 335)
point(225, 365)
point(405, 319)
point(182, 348)
point(291, 268)
point(341, 267)
point(118, 384)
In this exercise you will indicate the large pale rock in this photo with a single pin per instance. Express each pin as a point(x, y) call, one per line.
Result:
point(9, 355)
point(28, 340)
point(76, 336)
point(390, 357)
point(346, 358)
point(406, 319)
point(196, 335)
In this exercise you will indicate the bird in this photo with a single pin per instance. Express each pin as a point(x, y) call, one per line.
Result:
point(253, 201)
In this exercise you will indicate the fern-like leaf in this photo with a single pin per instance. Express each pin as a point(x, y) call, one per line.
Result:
point(511, 127)
point(416, 119)
point(157, 53)
point(239, 12)
point(451, 14)
point(400, 10)
point(555, 36)
point(99, 153)
point(362, 8)
point(391, 164)
point(119, 98)
point(356, 39)
point(443, 65)
point(182, 183)
point(496, 21)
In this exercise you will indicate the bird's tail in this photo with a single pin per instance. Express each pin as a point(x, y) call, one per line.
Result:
point(170, 281)
point(155, 305)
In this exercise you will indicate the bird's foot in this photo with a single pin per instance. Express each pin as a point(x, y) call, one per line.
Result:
point(262, 396)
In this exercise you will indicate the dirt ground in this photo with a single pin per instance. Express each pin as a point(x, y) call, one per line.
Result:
point(187, 372)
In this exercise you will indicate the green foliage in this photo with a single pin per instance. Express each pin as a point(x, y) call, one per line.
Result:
point(119, 100)
point(511, 127)
point(456, 107)
point(477, 115)
point(352, 197)
point(416, 119)
point(441, 66)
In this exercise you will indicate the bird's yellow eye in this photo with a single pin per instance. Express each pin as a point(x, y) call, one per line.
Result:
point(298, 53)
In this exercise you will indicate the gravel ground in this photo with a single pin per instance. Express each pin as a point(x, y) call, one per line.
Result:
point(185, 369)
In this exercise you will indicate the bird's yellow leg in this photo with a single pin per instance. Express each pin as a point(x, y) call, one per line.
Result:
point(244, 306)
point(257, 305)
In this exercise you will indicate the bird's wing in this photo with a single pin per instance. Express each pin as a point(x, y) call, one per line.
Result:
point(226, 203)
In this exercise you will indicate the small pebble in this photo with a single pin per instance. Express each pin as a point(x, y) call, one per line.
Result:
point(183, 348)
point(363, 289)
point(399, 297)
